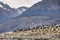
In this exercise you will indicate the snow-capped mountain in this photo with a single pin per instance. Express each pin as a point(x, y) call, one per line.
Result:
point(6, 12)
point(42, 13)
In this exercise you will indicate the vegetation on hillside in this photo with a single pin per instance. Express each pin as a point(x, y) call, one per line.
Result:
point(48, 32)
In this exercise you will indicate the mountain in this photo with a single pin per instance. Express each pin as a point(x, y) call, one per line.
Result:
point(45, 8)
point(6, 12)
point(49, 8)
point(46, 12)
point(21, 9)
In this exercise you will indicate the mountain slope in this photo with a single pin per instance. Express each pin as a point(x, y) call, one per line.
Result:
point(6, 12)
point(46, 12)
point(45, 8)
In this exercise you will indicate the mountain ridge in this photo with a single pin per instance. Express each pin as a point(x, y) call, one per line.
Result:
point(6, 12)
point(46, 12)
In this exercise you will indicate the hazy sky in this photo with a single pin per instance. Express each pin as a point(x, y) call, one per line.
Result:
point(19, 3)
